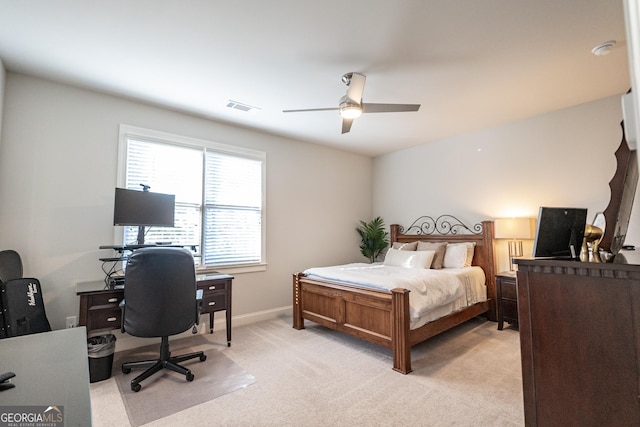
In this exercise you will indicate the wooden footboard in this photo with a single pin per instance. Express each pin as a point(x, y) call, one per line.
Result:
point(379, 317)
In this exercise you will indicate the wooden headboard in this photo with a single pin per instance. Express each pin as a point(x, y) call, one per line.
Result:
point(447, 228)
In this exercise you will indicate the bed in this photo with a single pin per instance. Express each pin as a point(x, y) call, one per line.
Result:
point(382, 316)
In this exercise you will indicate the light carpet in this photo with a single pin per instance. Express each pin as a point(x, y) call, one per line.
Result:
point(168, 392)
point(469, 376)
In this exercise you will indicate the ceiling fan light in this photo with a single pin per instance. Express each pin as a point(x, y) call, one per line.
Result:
point(350, 111)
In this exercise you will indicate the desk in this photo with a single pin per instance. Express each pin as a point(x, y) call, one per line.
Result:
point(51, 370)
point(99, 309)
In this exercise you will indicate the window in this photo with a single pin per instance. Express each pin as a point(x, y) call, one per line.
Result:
point(219, 193)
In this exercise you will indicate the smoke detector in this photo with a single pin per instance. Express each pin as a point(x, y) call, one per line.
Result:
point(603, 48)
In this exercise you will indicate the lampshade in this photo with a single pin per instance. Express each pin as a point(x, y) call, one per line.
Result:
point(514, 228)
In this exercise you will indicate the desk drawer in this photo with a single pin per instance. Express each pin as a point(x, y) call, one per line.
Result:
point(105, 298)
point(214, 302)
point(104, 318)
point(213, 286)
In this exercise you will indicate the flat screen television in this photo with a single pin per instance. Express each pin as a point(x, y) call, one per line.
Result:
point(559, 232)
point(143, 208)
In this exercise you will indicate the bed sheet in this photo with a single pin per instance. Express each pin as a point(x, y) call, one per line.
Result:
point(434, 293)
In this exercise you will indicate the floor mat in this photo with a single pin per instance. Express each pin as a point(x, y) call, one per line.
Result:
point(168, 392)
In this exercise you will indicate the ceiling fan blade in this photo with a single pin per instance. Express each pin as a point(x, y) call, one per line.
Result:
point(356, 87)
point(346, 125)
point(311, 109)
point(388, 108)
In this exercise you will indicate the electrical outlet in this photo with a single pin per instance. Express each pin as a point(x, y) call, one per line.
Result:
point(72, 321)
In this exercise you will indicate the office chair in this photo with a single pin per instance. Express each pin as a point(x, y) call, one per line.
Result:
point(159, 301)
point(21, 304)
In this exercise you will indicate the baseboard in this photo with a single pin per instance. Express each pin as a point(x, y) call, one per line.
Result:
point(127, 342)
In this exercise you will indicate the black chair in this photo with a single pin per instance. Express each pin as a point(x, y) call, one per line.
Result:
point(21, 304)
point(10, 265)
point(160, 300)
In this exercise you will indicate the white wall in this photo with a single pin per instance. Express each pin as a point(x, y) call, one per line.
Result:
point(3, 78)
point(563, 158)
point(58, 172)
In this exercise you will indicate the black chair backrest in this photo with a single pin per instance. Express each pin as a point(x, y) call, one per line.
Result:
point(10, 265)
point(159, 292)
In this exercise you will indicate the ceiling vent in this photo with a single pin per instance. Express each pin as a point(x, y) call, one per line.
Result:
point(240, 106)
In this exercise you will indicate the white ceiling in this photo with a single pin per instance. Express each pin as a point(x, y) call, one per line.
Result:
point(472, 64)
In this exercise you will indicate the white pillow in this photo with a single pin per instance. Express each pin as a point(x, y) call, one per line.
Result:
point(458, 255)
point(455, 256)
point(409, 259)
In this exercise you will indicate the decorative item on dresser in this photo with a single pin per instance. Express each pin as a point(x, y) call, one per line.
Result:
point(623, 187)
point(507, 291)
point(382, 316)
point(515, 230)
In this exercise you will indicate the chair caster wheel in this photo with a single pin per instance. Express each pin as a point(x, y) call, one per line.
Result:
point(190, 376)
point(203, 357)
point(136, 387)
point(126, 370)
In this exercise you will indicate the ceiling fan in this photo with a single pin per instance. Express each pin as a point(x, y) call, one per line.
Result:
point(351, 106)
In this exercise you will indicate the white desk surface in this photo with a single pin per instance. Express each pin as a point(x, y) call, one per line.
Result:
point(52, 369)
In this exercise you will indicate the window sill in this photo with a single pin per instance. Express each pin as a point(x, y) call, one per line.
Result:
point(233, 269)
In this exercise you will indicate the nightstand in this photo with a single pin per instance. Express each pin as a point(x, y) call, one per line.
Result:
point(507, 290)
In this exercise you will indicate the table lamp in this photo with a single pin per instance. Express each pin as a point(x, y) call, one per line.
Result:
point(514, 229)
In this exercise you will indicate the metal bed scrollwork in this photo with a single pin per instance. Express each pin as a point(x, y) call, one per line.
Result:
point(442, 225)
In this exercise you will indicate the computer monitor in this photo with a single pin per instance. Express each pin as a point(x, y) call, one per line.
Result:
point(560, 232)
point(143, 208)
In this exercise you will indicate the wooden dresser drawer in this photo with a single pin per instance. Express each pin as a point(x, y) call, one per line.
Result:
point(509, 289)
point(510, 310)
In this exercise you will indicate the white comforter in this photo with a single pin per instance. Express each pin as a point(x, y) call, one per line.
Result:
point(434, 293)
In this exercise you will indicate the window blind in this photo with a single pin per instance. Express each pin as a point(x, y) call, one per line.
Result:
point(219, 196)
point(233, 209)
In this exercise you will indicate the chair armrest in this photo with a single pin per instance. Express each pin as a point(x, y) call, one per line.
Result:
point(122, 306)
point(199, 297)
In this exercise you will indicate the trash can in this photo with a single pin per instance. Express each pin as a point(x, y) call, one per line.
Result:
point(100, 349)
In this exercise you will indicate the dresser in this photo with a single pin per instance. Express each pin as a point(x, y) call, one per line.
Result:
point(100, 311)
point(580, 343)
point(507, 295)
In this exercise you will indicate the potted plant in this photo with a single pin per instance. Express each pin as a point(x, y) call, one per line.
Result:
point(374, 238)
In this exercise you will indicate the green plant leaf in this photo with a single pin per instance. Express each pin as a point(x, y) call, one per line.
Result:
point(374, 238)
